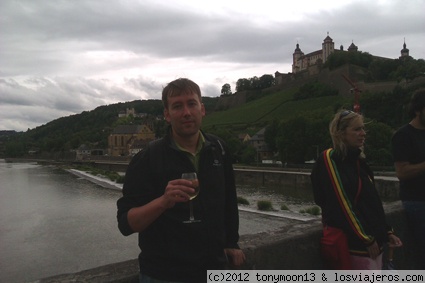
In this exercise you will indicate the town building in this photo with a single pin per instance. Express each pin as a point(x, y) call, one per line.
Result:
point(130, 112)
point(127, 140)
point(259, 143)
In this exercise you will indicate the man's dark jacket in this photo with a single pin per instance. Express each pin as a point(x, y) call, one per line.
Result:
point(170, 249)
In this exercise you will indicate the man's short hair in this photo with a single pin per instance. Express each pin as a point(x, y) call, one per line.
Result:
point(179, 87)
point(417, 103)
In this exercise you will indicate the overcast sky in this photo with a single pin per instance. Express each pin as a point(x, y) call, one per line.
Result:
point(62, 57)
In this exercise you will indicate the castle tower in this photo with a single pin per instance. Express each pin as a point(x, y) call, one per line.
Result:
point(296, 65)
point(353, 47)
point(327, 48)
point(404, 52)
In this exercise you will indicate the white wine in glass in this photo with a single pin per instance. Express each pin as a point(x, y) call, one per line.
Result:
point(192, 177)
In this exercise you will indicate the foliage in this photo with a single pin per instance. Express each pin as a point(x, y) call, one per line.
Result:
point(300, 138)
point(338, 59)
point(264, 205)
point(408, 69)
point(378, 143)
point(243, 84)
point(243, 201)
point(402, 69)
point(381, 69)
point(209, 103)
point(388, 107)
point(255, 83)
point(284, 207)
point(226, 90)
point(265, 81)
point(270, 135)
point(15, 149)
point(89, 127)
point(313, 90)
point(313, 210)
point(251, 112)
point(241, 152)
point(248, 154)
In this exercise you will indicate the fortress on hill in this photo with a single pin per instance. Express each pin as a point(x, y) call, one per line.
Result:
point(311, 63)
point(309, 68)
point(302, 62)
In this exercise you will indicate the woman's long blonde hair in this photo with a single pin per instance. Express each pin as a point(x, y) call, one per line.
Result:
point(337, 127)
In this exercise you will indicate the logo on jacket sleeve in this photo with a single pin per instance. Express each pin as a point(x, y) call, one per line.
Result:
point(216, 163)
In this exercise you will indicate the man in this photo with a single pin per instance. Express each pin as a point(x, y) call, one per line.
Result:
point(155, 201)
point(409, 161)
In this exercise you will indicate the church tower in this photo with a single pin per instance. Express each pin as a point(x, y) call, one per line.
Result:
point(327, 48)
point(353, 47)
point(296, 62)
point(404, 52)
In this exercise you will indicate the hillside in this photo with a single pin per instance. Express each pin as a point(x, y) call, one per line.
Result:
point(278, 106)
point(300, 110)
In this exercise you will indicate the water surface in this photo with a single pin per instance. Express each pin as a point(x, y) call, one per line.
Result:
point(53, 223)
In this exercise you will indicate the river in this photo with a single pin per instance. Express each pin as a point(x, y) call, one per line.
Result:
point(53, 222)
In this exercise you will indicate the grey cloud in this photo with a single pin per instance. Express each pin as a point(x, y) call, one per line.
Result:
point(162, 32)
point(210, 90)
point(48, 99)
point(49, 43)
point(151, 87)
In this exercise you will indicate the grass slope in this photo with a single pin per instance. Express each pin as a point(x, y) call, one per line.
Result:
point(277, 106)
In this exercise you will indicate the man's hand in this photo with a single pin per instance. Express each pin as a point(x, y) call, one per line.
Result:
point(394, 241)
point(236, 256)
point(177, 191)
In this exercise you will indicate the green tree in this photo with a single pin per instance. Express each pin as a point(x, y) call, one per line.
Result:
point(290, 140)
point(226, 90)
point(378, 143)
point(337, 59)
point(248, 154)
point(15, 148)
point(266, 81)
point(270, 134)
point(380, 69)
point(408, 69)
point(243, 84)
point(391, 106)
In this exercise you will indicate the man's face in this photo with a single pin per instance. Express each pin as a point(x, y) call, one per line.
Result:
point(185, 113)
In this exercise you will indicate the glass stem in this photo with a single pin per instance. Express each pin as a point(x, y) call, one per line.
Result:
point(191, 211)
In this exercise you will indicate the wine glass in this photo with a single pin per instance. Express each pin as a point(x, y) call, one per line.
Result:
point(192, 177)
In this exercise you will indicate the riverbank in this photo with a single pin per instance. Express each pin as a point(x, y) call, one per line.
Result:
point(292, 211)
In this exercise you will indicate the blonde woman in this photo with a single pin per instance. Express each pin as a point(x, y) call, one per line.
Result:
point(344, 188)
